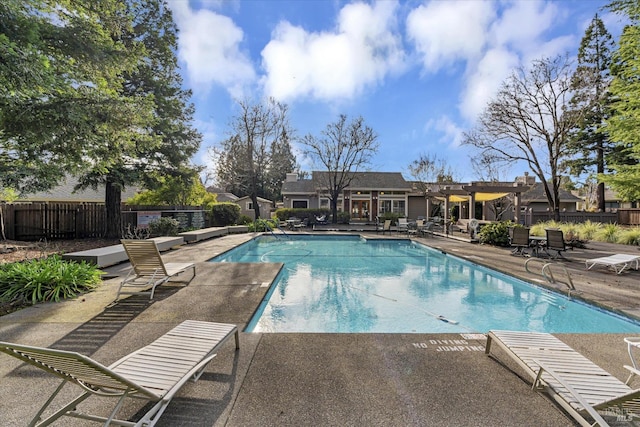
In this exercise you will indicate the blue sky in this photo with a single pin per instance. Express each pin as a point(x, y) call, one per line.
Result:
point(419, 72)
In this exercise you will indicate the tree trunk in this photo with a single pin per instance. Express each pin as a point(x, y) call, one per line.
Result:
point(600, 170)
point(112, 201)
point(256, 206)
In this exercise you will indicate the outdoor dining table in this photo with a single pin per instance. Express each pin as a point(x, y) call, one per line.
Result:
point(536, 243)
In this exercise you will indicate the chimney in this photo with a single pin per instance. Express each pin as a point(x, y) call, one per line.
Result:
point(292, 177)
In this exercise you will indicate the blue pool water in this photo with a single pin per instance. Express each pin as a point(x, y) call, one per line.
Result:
point(350, 284)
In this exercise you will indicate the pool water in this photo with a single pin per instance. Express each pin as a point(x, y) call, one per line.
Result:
point(352, 284)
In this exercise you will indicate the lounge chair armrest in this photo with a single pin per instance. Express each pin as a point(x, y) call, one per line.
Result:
point(632, 373)
point(587, 407)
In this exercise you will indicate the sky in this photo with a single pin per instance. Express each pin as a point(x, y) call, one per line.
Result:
point(418, 72)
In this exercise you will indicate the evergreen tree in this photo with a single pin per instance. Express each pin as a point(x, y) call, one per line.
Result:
point(166, 140)
point(281, 162)
point(60, 82)
point(588, 143)
point(623, 126)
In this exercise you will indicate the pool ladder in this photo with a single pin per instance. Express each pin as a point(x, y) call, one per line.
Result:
point(547, 272)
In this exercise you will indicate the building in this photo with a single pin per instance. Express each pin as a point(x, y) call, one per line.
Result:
point(373, 194)
point(370, 194)
point(246, 207)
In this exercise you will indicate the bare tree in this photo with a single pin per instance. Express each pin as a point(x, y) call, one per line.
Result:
point(243, 161)
point(428, 169)
point(343, 149)
point(529, 121)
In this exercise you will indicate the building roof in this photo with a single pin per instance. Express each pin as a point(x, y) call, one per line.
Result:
point(361, 181)
point(64, 193)
point(260, 199)
point(536, 194)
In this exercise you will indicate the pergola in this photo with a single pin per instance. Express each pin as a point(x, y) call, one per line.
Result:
point(476, 192)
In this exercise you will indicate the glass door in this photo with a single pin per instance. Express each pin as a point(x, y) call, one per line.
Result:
point(360, 209)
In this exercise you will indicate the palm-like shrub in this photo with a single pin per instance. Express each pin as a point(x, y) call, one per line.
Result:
point(630, 237)
point(609, 233)
point(48, 279)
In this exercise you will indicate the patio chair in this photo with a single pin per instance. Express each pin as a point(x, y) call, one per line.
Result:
point(555, 243)
point(426, 229)
point(147, 268)
point(154, 373)
point(414, 227)
point(519, 240)
point(617, 262)
point(403, 225)
point(581, 387)
point(386, 226)
point(322, 220)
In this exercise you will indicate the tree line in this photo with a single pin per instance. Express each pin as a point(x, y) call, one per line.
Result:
point(92, 88)
point(570, 121)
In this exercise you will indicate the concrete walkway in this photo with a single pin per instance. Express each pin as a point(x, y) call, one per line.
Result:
point(308, 379)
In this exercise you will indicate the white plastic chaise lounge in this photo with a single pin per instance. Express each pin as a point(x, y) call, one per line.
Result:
point(147, 268)
point(154, 373)
point(618, 262)
point(582, 388)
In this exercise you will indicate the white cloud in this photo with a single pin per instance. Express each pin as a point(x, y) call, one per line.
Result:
point(522, 23)
point(485, 80)
point(362, 50)
point(446, 31)
point(209, 45)
point(489, 38)
point(452, 134)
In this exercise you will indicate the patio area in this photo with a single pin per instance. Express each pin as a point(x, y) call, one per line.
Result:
point(309, 379)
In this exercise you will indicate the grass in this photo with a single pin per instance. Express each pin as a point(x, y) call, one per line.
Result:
point(591, 231)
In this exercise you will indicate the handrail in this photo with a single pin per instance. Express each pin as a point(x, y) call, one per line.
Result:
point(547, 273)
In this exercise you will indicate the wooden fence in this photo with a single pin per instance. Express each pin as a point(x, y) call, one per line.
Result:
point(35, 221)
point(51, 221)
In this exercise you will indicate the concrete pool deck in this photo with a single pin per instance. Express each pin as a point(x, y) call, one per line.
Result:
point(309, 379)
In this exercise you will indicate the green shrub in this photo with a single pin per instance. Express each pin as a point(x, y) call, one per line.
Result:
point(588, 229)
point(245, 220)
point(49, 279)
point(263, 225)
point(630, 236)
point(609, 233)
point(223, 214)
point(165, 226)
point(496, 233)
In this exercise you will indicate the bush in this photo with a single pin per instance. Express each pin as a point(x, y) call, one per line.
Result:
point(609, 233)
point(49, 279)
point(496, 233)
point(263, 225)
point(164, 226)
point(589, 229)
point(630, 237)
point(223, 214)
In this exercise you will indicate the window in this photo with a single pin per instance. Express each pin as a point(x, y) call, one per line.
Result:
point(300, 204)
point(249, 206)
point(393, 206)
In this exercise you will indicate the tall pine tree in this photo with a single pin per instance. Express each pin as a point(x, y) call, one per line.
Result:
point(164, 143)
point(623, 125)
point(589, 144)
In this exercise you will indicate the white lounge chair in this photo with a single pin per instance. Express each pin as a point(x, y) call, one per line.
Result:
point(147, 268)
point(154, 373)
point(581, 387)
point(618, 262)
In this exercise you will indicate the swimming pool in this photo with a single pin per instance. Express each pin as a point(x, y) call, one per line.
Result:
point(352, 284)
